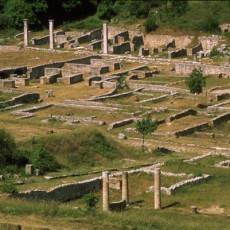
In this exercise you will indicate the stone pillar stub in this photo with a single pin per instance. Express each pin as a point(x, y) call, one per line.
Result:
point(26, 32)
point(105, 191)
point(125, 188)
point(51, 33)
point(157, 188)
point(105, 38)
point(28, 169)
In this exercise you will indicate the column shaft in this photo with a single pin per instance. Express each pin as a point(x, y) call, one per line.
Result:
point(157, 189)
point(125, 189)
point(105, 191)
point(105, 38)
point(51, 32)
point(26, 33)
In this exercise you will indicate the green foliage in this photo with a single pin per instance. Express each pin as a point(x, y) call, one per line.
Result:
point(210, 24)
point(196, 81)
point(7, 149)
point(40, 157)
point(146, 126)
point(150, 23)
point(90, 201)
point(89, 23)
point(214, 52)
point(122, 83)
point(8, 187)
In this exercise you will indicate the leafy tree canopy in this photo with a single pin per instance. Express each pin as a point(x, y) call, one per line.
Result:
point(196, 81)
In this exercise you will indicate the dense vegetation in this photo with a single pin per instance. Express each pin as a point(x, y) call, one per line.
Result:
point(84, 147)
point(194, 15)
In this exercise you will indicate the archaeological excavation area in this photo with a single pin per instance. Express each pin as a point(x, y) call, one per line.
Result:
point(107, 80)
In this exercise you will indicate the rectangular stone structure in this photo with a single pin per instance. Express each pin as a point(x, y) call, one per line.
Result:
point(28, 169)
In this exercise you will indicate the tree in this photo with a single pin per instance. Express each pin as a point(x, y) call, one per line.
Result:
point(196, 81)
point(146, 126)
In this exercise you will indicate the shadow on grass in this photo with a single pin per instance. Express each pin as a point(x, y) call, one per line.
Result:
point(171, 205)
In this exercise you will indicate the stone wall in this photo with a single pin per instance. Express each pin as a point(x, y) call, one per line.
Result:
point(121, 37)
point(62, 193)
point(178, 53)
point(137, 41)
point(113, 65)
point(117, 206)
point(221, 118)
point(122, 48)
point(41, 40)
point(190, 130)
point(183, 113)
point(153, 41)
point(6, 72)
point(194, 50)
point(118, 124)
point(209, 42)
point(95, 34)
point(9, 48)
point(24, 98)
point(6, 83)
point(38, 71)
point(187, 68)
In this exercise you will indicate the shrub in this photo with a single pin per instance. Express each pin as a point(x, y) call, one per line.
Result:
point(89, 23)
point(209, 24)
point(90, 200)
point(7, 149)
point(40, 157)
point(150, 23)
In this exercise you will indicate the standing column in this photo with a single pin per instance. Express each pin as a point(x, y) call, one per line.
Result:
point(125, 189)
point(26, 33)
point(51, 30)
point(105, 191)
point(157, 189)
point(105, 38)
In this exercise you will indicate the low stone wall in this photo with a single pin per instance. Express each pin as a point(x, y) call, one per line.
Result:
point(24, 98)
point(21, 81)
point(9, 48)
point(121, 37)
point(118, 124)
point(90, 79)
point(218, 107)
point(95, 34)
point(117, 206)
point(122, 48)
point(157, 88)
point(173, 188)
point(70, 79)
point(183, 113)
point(38, 71)
point(62, 193)
point(194, 50)
point(190, 130)
point(41, 40)
point(6, 83)
point(6, 72)
point(95, 45)
point(154, 100)
point(187, 68)
point(113, 65)
point(50, 79)
point(220, 119)
point(177, 53)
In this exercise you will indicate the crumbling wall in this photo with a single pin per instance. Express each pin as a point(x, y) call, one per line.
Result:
point(177, 53)
point(122, 48)
point(194, 50)
point(62, 193)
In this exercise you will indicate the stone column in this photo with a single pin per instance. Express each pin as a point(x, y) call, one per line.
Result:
point(26, 33)
point(105, 38)
point(105, 191)
point(51, 30)
point(125, 189)
point(157, 189)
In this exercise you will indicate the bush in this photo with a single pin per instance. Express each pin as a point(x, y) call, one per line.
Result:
point(90, 200)
point(40, 158)
point(150, 23)
point(7, 149)
point(89, 23)
point(209, 24)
